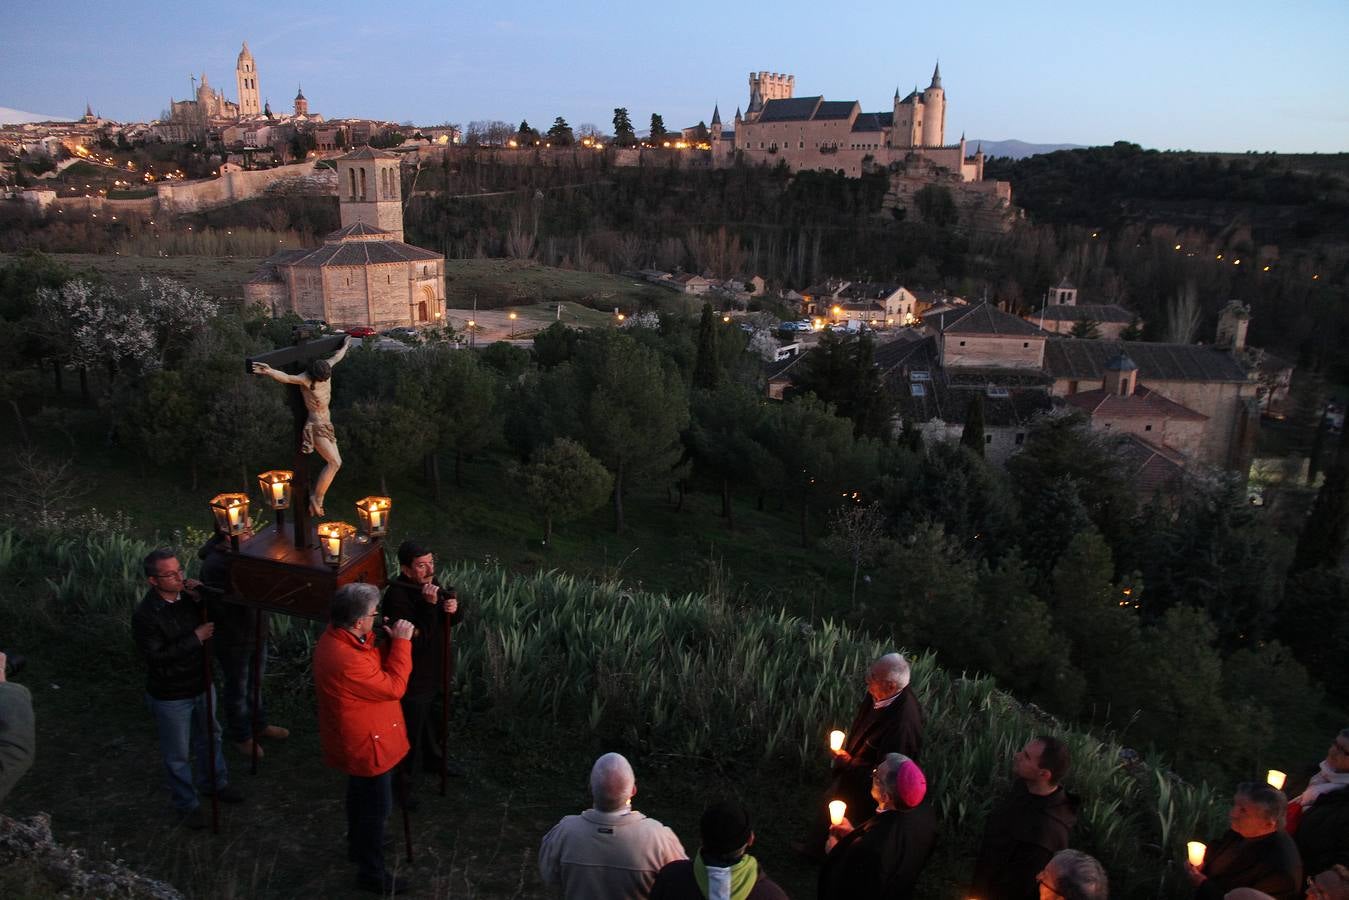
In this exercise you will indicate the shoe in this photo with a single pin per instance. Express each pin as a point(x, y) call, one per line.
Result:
point(227, 794)
point(275, 733)
point(194, 819)
point(246, 748)
point(386, 884)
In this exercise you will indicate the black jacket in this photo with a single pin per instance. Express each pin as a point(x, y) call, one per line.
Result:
point(675, 881)
point(898, 728)
point(403, 600)
point(1323, 833)
point(1022, 833)
point(164, 635)
point(1269, 863)
point(882, 858)
point(234, 623)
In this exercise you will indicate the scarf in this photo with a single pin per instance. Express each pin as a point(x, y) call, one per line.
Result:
point(1323, 782)
point(733, 883)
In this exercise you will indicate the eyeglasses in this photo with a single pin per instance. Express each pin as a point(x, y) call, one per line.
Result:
point(371, 615)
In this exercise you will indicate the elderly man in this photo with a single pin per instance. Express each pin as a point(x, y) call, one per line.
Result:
point(361, 722)
point(610, 850)
point(1073, 875)
point(170, 632)
point(18, 743)
point(1255, 852)
point(723, 868)
point(882, 857)
point(1318, 817)
point(1028, 826)
point(415, 595)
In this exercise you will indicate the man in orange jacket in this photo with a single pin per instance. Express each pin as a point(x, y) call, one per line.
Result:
point(361, 721)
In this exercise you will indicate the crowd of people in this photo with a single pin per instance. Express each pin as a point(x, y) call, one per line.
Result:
point(380, 667)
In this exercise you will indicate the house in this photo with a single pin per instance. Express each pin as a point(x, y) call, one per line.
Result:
point(1122, 405)
point(877, 302)
point(980, 335)
point(686, 283)
point(1110, 320)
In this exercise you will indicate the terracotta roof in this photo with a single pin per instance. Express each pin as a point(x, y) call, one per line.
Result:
point(356, 230)
point(1085, 360)
point(1144, 403)
point(361, 253)
point(980, 318)
point(1153, 468)
point(368, 153)
point(1096, 312)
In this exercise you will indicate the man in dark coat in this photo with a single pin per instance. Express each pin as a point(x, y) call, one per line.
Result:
point(1318, 817)
point(1028, 825)
point(416, 596)
point(882, 858)
point(1255, 852)
point(722, 868)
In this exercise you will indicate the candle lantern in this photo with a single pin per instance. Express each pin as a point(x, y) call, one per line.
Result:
point(231, 515)
point(1196, 850)
point(276, 492)
point(374, 515)
point(835, 741)
point(332, 536)
point(1275, 779)
point(837, 809)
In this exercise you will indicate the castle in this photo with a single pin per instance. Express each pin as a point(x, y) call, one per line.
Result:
point(815, 133)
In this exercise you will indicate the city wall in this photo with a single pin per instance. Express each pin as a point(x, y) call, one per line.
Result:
point(194, 196)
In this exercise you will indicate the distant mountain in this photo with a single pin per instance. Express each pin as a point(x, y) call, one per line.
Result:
point(1018, 149)
point(18, 117)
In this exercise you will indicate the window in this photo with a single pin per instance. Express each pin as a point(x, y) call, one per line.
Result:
point(1025, 345)
point(997, 393)
point(1020, 438)
point(988, 439)
point(917, 390)
point(962, 343)
point(920, 375)
point(1147, 427)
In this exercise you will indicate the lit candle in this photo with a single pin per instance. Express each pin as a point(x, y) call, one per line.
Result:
point(234, 518)
point(836, 741)
point(1196, 850)
point(278, 492)
point(836, 810)
point(334, 545)
point(1275, 779)
point(376, 519)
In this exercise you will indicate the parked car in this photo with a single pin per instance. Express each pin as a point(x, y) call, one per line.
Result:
point(361, 331)
point(403, 333)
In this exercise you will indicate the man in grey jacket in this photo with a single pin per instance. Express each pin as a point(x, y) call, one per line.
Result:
point(610, 850)
point(18, 744)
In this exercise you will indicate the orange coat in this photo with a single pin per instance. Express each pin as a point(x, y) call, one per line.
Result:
point(361, 725)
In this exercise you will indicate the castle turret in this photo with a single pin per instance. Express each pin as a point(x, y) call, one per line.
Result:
point(715, 130)
point(246, 74)
point(301, 104)
point(934, 114)
point(369, 190)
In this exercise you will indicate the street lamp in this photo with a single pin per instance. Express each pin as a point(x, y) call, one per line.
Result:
point(512, 316)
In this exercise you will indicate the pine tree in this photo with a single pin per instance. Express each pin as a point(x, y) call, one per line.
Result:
point(624, 136)
point(561, 134)
point(705, 370)
point(658, 131)
point(973, 435)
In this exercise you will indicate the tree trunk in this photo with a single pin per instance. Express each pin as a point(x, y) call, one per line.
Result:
point(383, 485)
point(618, 500)
point(18, 421)
point(763, 495)
point(856, 567)
point(84, 384)
point(58, 371)
point(547, 531)
point(435, 475)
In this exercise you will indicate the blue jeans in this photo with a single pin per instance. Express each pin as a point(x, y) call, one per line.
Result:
point(181, 725)
point(235, 664)
point(368, 803)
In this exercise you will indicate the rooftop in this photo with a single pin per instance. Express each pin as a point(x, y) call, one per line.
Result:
point(1085, 360)
point(979, 318)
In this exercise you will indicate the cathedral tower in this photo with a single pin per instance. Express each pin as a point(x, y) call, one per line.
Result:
point(246, 73)
point(934, 112)
point(369, 191)
point(301, 104)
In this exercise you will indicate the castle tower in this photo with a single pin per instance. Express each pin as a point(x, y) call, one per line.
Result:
point(1233, 321)
point(933, 133)
point(1121, 376)
point(246, 74)
point(369, 191)
point(301, 104)
point(715, 130)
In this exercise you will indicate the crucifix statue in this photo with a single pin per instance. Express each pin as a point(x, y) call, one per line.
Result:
point(316, 434)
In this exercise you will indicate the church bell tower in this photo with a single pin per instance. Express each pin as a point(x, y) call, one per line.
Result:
point(246, 74)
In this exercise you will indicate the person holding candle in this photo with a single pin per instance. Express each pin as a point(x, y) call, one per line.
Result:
point(1255, 852)
point(360, 721)
point(1073, 875)
point(723, 868)
point(1318, 816)
point(610, 850)
point(883, 856)
point(170, 632)
point(1028, 825)
point(415, 595)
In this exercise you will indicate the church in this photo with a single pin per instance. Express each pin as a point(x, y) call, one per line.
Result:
point(363, 274)
point(836, 135)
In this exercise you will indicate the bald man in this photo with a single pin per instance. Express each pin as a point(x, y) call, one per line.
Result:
point(610, 850)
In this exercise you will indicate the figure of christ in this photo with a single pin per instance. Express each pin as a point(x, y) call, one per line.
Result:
point(317, 390)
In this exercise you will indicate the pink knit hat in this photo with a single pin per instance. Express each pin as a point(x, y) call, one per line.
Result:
point(910, 784)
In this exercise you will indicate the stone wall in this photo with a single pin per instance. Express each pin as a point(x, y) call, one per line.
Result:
point(990, 351)
point(194, 196)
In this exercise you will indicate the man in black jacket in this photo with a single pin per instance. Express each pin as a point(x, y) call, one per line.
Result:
point(1028, 826)
point(1255, 852)
point(415, 595)
point(170, 633)
point(1318, 817)
point(723, 865)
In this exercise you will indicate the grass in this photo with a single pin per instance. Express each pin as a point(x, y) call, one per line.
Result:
point(216, 276)
point(510, 282)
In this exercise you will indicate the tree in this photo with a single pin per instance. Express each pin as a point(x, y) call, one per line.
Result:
point(658, 132)
point(555, 345)
point(1086, 329)
point(705, 369)
point(461, 399)
point(842, 372)
point(725, 438)
point(249, 425)
point(525, 134)
point(1134, 330)
point(972, 435)
point(385, 438)
point(624, 136)
point(1322, 540)
point(936, 204)
point(561, 134)
point(857, 533)
point(563, 482)
point(159, 417)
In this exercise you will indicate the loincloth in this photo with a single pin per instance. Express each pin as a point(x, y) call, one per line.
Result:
point(311, 430)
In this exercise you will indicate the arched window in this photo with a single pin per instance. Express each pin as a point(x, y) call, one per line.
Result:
point(362, 182)
point(353, 184)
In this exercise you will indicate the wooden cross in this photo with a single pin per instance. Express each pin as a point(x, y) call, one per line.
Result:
point(295, 360)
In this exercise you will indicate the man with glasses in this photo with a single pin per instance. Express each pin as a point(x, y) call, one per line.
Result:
point(1318, 817)
point(1073, 875)
point(170, 633)
point(361, 727)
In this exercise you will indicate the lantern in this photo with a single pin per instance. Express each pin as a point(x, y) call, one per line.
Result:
point(374, 515)
point(276, 488)
point(332, 535)
point(231, 515)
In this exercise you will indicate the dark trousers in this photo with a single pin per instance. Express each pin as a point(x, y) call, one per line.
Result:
point(369, 801)
point(236, 663)
point(423, 730)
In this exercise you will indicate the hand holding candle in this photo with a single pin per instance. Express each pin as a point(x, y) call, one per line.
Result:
point(1196, 851)
point(1276, 779)
point(835, 741)
point(837, 809)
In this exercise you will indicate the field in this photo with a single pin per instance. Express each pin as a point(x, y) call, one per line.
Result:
point(220, 277)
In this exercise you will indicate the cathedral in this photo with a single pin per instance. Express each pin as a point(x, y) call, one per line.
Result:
point(815, 133)
point(210, 106)
point(339, 282)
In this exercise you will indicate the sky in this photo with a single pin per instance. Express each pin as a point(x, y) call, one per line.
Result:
point(1184, 74)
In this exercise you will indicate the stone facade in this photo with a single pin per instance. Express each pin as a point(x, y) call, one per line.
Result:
point(368, 184)
point(246, 76)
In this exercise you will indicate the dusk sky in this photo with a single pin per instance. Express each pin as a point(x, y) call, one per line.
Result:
point(1172, 75)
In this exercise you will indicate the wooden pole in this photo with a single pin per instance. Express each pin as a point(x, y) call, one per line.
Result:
point(207, 682)
point(255, 687)
point(407, 832)
point(446, 676)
